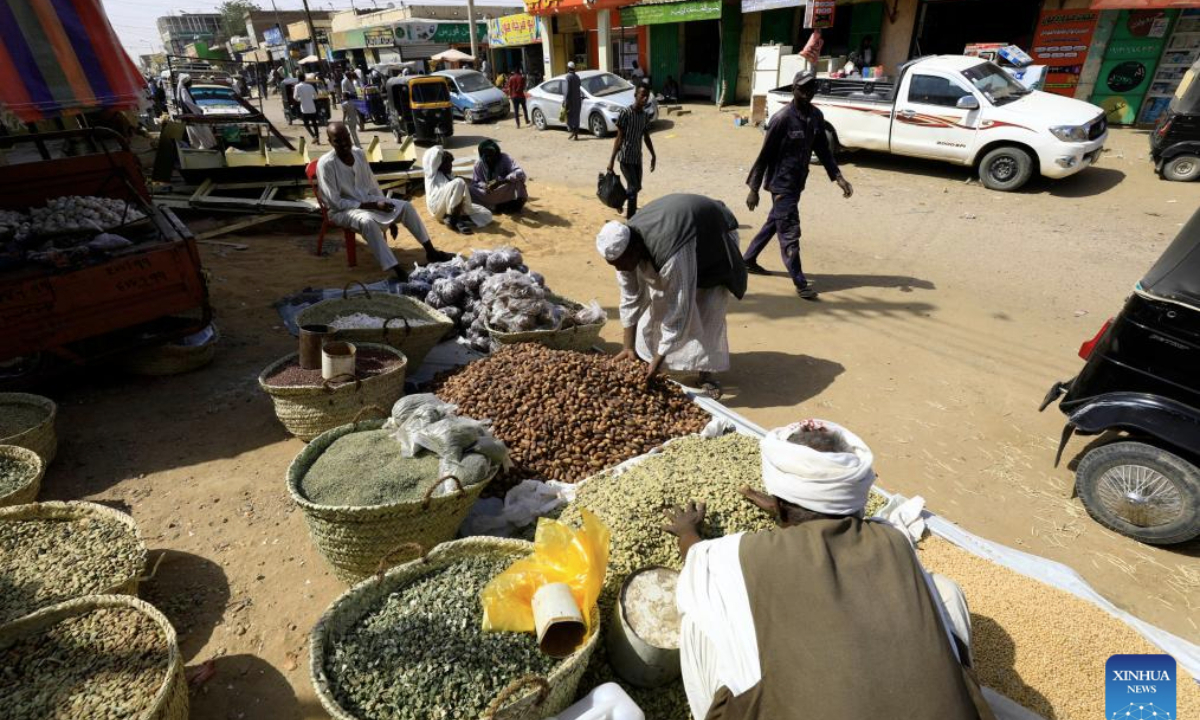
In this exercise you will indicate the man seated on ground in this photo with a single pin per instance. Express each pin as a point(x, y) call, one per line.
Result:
point(670, 91)
point(449, 197)
point(498, 183)
point(829, 615)
point(354, 199)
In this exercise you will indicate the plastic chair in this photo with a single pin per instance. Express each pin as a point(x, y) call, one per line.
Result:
point(351, 246)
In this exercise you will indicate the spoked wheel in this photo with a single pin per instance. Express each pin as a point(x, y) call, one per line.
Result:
point(1142, 491)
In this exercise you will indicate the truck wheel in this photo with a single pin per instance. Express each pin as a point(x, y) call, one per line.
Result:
point(1141, 491)
point(539, 119)
point(1005, 168)
point(1182, 168)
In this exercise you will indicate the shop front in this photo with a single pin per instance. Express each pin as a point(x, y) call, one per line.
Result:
point(945, 27)
point(1130, 62)
point(516, 41)
point(419, 40)
point(583, 32)
point(366, 46)
point(685, 41)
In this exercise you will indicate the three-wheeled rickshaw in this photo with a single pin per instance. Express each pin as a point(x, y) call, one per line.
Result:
point(1140, 391)
point(1175, 142)
point(291, 106)
point(372, 106)
point(420, 107)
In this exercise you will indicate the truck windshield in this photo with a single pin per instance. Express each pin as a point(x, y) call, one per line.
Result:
point(997, 85)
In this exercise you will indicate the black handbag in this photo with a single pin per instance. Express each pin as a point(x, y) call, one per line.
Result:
point(611, 191)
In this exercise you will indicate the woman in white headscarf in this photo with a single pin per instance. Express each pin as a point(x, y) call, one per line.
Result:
point(449, 197)
point(199, 136)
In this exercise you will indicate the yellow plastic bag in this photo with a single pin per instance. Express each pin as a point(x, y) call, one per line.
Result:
point(561, 554)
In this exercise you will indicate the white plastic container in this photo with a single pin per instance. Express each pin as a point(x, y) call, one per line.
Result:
point(337, 358)
point(606, 702)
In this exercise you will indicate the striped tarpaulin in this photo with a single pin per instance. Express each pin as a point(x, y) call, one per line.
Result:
point(60, 57)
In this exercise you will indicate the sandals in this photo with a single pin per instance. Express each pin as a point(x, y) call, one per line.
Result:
point(711, 388)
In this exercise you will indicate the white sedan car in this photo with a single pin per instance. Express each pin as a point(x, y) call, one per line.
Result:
point(604, 96)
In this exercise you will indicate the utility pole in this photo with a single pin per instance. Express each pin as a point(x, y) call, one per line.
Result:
point(287, 60)
point(312, 35)
point(472, 29)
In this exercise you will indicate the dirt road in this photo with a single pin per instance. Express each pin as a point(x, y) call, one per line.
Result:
point(946, 312)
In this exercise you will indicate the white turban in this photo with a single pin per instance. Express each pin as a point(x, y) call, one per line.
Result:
point(571, 65)
point(612, 240)
point(833, 483)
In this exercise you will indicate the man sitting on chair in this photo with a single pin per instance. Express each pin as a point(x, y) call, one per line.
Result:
point(350, 191)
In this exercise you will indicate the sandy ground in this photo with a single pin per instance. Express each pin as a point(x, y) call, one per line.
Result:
point(947, 311)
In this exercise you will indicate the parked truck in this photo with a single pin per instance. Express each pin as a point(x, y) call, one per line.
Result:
point(962, 110)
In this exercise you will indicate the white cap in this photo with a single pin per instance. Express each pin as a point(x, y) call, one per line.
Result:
point(571, 65)
point(613, 240)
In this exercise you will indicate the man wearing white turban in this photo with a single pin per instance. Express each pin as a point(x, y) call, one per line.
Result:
point(449, 197)
point(829, 615)
point(677, 263)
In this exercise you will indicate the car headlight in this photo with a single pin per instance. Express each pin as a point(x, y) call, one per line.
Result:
point(609, 107)
point(1070, 133)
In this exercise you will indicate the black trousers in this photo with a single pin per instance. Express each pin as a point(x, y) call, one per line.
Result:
point(312, 124)
point(633, 185)
point(519, 109)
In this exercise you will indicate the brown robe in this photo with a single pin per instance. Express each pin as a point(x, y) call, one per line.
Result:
point(846, 628)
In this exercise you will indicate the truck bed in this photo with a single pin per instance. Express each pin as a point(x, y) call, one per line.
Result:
point(874, 91)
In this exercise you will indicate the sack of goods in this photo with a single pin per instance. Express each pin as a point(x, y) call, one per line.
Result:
point(818, 465)
point(610, 190)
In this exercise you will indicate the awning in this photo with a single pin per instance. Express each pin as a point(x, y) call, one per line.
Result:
point(309, 59)
point(656, 12)
point(553, 7)
point(63, 57)
point(1143, 4)
point(453, 55)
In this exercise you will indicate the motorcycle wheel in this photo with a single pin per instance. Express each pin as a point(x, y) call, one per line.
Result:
point(1141, 491)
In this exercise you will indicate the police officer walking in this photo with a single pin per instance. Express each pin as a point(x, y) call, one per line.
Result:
point(793, 135)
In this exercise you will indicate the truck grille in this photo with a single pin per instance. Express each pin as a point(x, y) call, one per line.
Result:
point(1098, 127)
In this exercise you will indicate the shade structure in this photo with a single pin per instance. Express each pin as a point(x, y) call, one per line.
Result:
point(452, 55)
point(310, 59)
point(59, 57)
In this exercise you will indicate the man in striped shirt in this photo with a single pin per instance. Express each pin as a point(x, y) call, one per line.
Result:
point(633, 125)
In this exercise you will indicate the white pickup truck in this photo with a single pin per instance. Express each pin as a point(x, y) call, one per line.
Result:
point(962, 110)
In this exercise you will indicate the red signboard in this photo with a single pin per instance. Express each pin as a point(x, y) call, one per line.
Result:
point(551, 7)
point(1143, 4)
point(818, 14)
point(1061, 43)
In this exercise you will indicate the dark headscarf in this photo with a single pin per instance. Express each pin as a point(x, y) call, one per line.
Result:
point(489, 144)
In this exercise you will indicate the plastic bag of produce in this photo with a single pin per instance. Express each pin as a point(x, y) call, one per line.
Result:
point(470, 470)
point(590, 314)
point(450, 437)
point(478, 259)
point(413, 412)
point(561, 554)
point(503, 259)
point(610, 190)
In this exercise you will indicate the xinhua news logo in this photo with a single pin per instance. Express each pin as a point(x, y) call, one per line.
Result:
point(1139, 687)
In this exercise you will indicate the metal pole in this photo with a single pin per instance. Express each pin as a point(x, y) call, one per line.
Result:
point(287, 58)
point(471, 28)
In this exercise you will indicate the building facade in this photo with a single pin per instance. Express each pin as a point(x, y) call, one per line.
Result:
point(178, 31)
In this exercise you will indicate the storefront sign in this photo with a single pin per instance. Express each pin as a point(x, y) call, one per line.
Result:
point(818, 14)
point(671, 12)
point(273, 36)
point(514, 30)
point(749, 6)
point(1061, 44)
point(322, 36)
point(420, 33)
point(1141, 4)
point(550, 7)
point(377, 37)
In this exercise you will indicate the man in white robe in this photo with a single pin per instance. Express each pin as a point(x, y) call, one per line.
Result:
point(199, 136)
point(677, 263)
point(449, 197)
point(354, 200)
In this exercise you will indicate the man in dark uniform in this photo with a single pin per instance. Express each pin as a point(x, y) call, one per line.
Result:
point(793, 134)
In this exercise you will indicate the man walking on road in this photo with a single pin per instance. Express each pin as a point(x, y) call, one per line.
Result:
point(515, 89)
point(573, 100)
point(306, 95)
point(349, 110)
point(632, 129)
point(793, 135)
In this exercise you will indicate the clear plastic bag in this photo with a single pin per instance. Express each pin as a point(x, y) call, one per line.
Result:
point(450, 437)
point(590, 314)
point(413, 412)
point(472, 469)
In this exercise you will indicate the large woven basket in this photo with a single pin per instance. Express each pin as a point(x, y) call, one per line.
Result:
point(359, 540)
point(524, 699)
point(410, 325)
point(309, 410)
point(577, 337)
point(39, 437)
point(171, 358)
point(29, 490)
point(170, 701)
point(74, 510)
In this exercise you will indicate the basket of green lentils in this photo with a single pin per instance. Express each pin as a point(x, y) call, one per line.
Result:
point(101, 657)
point(52, 552)
point(21, 472)
point(409, 645)
point(363, 500)
point(28, 421)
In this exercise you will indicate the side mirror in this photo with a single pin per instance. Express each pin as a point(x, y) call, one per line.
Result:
point(967, 102)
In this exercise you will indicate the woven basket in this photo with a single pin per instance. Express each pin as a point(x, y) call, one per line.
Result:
point(357, 541)
point(59, 511)
point(578, 337)
point(525, 699)
point(39, 438)
point(28, 492)
point(309, 410)
point(170, 701)
point(411, 326)
point(170, 358)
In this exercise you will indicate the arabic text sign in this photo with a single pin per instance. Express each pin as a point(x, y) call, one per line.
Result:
point(514, 30)
point(671, 13)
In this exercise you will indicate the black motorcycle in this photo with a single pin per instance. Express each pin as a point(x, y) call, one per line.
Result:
point(1140, 387)
point(1175, 142)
